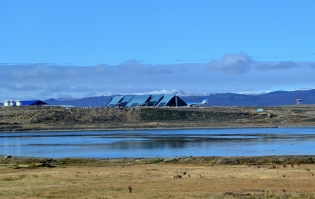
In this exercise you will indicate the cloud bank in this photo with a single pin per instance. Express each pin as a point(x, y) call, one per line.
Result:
point(232, 73)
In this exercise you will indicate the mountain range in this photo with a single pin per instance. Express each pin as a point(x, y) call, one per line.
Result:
point(275, 98)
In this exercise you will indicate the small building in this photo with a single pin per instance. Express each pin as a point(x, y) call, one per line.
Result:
point(67, 106)
point(32, 103)
point(11, 103)
point(260, 110)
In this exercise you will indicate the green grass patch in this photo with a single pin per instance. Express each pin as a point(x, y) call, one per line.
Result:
point(155, 160)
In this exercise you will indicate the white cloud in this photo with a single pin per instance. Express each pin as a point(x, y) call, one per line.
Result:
point(233, 63)
point(138, 67)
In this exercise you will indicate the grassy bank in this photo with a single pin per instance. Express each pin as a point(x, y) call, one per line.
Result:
point(58, 119)
point(186, 177)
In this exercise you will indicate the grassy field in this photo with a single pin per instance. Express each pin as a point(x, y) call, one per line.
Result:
point(153, 178)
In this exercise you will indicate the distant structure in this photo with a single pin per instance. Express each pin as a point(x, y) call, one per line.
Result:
point(33, 103)
point(11, 103)
point(166, 100)
point(6, 103)
point(19, 103)
point(298, 101)
point(260, 110)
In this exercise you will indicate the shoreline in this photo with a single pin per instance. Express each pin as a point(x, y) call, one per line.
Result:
point(162, 128)
point(207, 160)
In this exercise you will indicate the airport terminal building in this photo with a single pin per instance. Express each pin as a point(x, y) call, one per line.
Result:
point(160, 100)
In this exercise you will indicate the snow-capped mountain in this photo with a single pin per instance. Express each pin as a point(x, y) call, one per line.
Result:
point(158, 92)
point(254, 93)
point(265, 92)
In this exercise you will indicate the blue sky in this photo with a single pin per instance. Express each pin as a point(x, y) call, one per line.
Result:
point(77, 48)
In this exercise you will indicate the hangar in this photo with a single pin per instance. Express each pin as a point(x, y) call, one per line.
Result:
point(146, 100)
point(33, 103)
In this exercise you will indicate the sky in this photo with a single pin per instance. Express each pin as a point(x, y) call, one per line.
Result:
point(76, 48)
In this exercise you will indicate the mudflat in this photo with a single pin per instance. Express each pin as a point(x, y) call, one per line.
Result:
point(190, 177)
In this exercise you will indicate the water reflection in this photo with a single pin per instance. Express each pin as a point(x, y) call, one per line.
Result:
point(161, 143)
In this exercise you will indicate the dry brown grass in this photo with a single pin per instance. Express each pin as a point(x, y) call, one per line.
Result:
point(60, 119)
point(104, 180)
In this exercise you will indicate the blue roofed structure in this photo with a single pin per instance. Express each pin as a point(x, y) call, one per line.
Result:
point(33, 103)
point(155, 100)
point(171, 100)
point(125, 100)
point(139, 100)
point(165, 100)
point(160, 100)
point(115, 101)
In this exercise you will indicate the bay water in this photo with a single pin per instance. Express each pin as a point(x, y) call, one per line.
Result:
point(160, 143)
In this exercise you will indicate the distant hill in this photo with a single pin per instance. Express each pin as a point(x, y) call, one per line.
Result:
point(100, 101)
point(276, 98)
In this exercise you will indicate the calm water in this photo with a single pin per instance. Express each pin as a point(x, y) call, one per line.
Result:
point(161, 143)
